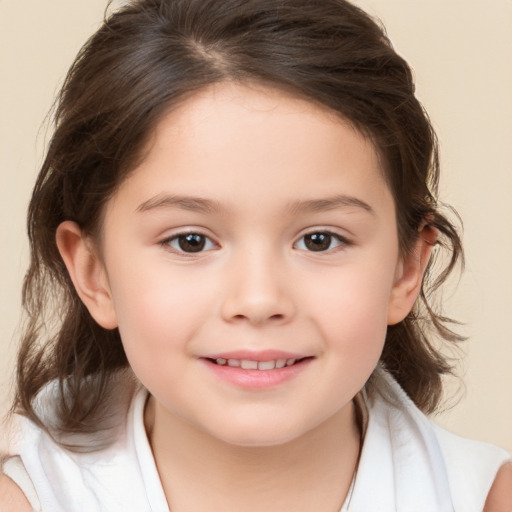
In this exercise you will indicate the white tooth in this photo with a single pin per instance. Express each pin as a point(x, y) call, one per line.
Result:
point(280, 363)
point(266, 365)
point(289, 362)
point(249, 365)
point(221, 361)
point(233, 362)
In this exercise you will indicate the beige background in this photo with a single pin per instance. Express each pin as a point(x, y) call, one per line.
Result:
point(461, 51)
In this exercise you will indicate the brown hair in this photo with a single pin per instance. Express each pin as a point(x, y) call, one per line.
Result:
point(144, 59)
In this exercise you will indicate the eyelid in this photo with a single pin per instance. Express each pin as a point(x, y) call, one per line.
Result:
point(166, 241)
point(342, 239)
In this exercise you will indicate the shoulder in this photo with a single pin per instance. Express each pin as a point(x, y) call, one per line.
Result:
point(463, 468)
point(12, 498)
point(462, 453)
point(472, 467)
point(499, 498)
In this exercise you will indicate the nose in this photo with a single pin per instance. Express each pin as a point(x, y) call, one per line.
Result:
point(257, 291)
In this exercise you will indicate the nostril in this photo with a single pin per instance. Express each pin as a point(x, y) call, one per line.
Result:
point(257, 310)
point(277, 316)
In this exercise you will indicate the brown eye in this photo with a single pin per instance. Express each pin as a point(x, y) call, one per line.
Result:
point(190, 243)
point(320, 241)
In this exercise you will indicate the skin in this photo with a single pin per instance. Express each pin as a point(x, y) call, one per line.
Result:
point(12, 498)
point(500, 495)
point(254, 172)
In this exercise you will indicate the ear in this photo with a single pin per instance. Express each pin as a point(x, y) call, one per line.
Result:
point(409, 275)
point(87, 272)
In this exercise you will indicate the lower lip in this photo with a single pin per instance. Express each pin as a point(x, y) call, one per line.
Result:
point(257, 380)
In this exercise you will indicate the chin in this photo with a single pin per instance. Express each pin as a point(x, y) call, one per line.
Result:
point(258, 435)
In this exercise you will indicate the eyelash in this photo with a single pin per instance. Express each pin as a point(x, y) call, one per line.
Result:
point(181, 237)
point(204, 243)
point(330, 236)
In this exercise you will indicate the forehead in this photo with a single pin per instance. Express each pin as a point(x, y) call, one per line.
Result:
point(251, 109)
point(251, 142)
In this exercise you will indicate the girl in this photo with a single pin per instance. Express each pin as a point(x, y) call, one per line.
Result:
point(231, 238)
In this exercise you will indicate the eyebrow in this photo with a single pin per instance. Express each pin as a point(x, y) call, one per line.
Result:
point(196, 204)
point(329, 203)
point(202, 205)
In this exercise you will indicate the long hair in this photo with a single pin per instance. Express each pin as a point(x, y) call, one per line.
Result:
point(145, 59)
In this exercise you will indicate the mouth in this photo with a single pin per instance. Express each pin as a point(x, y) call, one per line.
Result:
point(263, 370)
point(248, 364)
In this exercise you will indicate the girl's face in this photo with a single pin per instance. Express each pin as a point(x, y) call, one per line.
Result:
point(251, 264)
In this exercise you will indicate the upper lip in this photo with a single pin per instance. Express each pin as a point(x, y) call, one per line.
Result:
point(250, 355)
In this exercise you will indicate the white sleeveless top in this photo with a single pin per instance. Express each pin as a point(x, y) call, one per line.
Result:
point(407, 464)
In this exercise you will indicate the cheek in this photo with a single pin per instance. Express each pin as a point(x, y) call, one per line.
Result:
point(354, 330)
point(158, 312)
point(351, 310)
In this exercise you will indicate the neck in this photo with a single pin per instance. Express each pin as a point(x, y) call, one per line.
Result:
point(311, 473)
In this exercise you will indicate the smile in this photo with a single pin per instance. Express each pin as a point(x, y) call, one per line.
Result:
point(247, 364)
point(257, 370)
point(259, 373)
